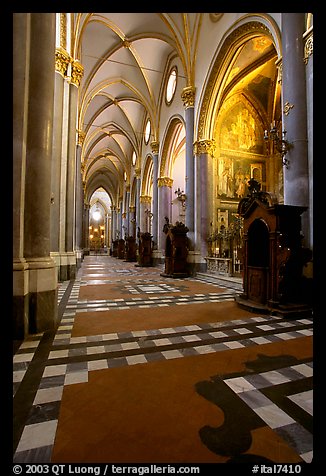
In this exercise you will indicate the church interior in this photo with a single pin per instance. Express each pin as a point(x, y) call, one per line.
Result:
point(163, 238)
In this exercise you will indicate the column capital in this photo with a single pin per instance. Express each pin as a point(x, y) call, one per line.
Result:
point(205, 146)
point(77, 71)
point(155, 146)
point(188, 96)
point(62, 60)
point(132, 209)
point(145, 199)
point(113, 207)
point(128, 188)
point(138, 172)
point(124, 215)
point(164, 182)
point(81, 137)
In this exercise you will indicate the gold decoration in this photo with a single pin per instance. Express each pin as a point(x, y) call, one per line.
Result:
point(279, 66)
point(287, 108)
point(126, 44)
point(63, 30)
point(145, 199)
point(81, 138)
point(188, 96)
point(205, 146)
point(155, 147)
point(132, 209)
point(246, 30)
point(77, 71)
point(124, 215)
point(164, 182)
point(62, 60)
point(308, 47)
point(128, 188)
point(138, 172)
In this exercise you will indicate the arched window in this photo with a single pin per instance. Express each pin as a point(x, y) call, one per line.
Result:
point(147, 131)
point(171, 85)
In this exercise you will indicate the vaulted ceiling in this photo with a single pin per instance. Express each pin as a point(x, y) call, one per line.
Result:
point(125, 57)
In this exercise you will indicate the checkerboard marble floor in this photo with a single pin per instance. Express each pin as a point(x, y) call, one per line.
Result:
point(278, 391)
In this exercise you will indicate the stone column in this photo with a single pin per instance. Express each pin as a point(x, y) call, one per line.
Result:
point(155, 148)
point(21, 44)
point(138, 183)
point(86, 227)
point(106, 230)
point(42, 270)
point(61, 66)
point(294, 117)
point(132, 221)
point(204, 150)
point(165, 208)
point(145, 204)
point(79, 202)
point(113, 223)
point(308, 60)
point(119, 217)
point(127, 205)
point(188, 98)
point(76, 74)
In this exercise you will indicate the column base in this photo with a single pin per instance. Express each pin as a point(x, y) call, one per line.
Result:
point(20, 299)
point(68, 266)
point(196, 263)
point(42, 299)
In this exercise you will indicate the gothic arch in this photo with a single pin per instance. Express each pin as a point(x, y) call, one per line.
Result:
point(249, 28)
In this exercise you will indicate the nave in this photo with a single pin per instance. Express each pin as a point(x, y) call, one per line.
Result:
point(143, 368)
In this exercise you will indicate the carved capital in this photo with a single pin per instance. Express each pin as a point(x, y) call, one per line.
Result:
point(155, 147)
point(81, 137)
point(205, 146)
point(62, 60)
point(124, 215)
point(145, 199)
point(138, 172)
point(77, 71)
point(188, 96)
point(164, 182)
point(132, 209)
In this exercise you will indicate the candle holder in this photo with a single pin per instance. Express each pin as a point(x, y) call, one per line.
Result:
point(281, 144)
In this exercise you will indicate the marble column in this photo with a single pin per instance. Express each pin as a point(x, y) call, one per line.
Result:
point(113, 223)
point(61, 66)
point(76, 74)
point(132, 221)
point(21, 41)
point(106, 230)
point(127, 205)
point(42, 269)
point(188, 98)
point(86, 228)
point(155, 149)
point(138, 183)
point(308, 60)
point(204, 212)
point(79, 201)
point(145, 204)
point(165, 208)
point(294, 114)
